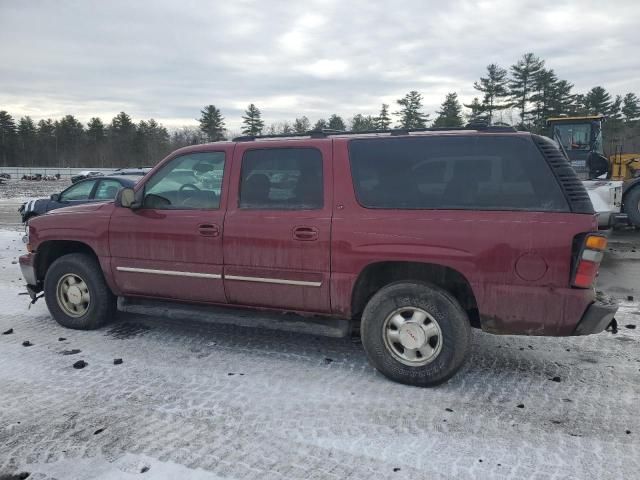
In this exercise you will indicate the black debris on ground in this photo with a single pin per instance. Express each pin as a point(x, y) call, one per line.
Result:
point(628, 432)
point(80, 364)
point(327, 361)
point(15, 476)
point(98, 431)
point(61, 339)
point(70, 352)
point(27, 343)
point(556, 422)
point(117, 361)
point(8, 332)
point(448, 410)
point(630, 298)
point(556, 379)
point(144, 469)
point(631, 326)
point(396, 469)
point(520, 405)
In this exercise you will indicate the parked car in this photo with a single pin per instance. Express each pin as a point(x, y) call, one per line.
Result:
point(138, 171)
point(415, 237)
point(85, 174)
point(84, 191)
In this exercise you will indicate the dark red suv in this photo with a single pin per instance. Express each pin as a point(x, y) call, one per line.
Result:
point(414, 236)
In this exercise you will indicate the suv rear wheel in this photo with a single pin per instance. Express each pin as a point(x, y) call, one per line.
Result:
point(77, 294)
point(415, 333)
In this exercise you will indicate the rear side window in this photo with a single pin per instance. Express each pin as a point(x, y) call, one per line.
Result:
point(282, 179)
point(475, 172)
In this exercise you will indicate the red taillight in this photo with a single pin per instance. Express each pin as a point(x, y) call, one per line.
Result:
point(589, 260)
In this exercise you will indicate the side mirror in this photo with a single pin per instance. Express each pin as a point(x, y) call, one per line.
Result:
point(125, 198)
point(55, 197)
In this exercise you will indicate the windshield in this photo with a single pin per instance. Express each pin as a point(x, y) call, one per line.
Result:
point(573, 136)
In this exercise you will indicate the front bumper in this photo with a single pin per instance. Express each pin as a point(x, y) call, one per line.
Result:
point(597, 317)
point(27, 265)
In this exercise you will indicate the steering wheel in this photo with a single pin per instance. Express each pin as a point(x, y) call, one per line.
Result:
point(184, 187)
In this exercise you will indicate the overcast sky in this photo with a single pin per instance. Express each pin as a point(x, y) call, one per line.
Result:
point(166, 59)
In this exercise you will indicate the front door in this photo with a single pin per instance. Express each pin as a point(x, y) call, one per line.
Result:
point(278, 227)
point(172, 247)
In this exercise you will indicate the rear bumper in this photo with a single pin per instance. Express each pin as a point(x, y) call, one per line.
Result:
point(27, 265)
point(596, 318)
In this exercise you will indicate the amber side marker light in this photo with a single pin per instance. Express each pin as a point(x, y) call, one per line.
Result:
point(590, 257)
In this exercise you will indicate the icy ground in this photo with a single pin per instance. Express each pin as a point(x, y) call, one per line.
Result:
point(212, 401)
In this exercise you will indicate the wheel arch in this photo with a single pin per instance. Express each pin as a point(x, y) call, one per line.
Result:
point(376, 275)
point(50, 250)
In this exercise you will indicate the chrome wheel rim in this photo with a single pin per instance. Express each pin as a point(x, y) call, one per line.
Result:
point(412, 336)
point(73, 295)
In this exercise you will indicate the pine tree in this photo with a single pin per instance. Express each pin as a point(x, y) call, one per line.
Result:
point(96, 132)
point(598, 100)
point(383, 120)
point(7, 137)
point(122, 133)
point(301, 125)
point(521, 84)
point(494, 88)
point(450, 113)
point(320, 125)
point(252, 120)
point(562, 100)
point(26, 141)
point(336, 123)
point(70, 138)
point(411, 115)
point(630, 107)
point(477, 110)
point(47, 143)
point(545, 86)
point(360, 123)
point(212, 123)
point(96, 136)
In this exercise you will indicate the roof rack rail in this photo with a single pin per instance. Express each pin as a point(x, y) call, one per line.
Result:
point(326, 132)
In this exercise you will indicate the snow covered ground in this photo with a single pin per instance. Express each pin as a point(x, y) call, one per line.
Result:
point(213, 401)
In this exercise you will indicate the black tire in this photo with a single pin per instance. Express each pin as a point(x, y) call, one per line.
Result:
point(632, 205)
point(454, 340)
point(102, 304)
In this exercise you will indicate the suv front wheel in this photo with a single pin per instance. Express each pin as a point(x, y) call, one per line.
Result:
point(76, 293)
point(415, 333)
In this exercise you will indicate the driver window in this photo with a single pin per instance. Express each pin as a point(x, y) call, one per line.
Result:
point(191, 181)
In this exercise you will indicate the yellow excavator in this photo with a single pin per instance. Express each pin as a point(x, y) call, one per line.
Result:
point(613, 182)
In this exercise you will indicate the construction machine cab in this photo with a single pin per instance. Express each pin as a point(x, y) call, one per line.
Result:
point(581, 139)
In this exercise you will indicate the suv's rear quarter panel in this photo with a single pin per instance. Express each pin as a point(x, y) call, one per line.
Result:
point(518, 263)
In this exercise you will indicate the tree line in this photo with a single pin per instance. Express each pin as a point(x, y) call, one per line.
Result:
point(524, 95)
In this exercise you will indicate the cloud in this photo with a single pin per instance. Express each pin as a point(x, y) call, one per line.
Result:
point(167, 59)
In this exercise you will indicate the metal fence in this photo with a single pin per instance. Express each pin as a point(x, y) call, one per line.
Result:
point(18, 172)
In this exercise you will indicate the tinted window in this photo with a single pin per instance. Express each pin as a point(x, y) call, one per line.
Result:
point(80, 191)
point(107, 190)
point(191, 181)
point(453, 172)
point(282, 179)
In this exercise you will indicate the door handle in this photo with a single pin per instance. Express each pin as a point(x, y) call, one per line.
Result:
point(209, 230)
point(305, 234)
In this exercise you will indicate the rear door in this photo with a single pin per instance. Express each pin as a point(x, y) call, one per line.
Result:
point(277, 229)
